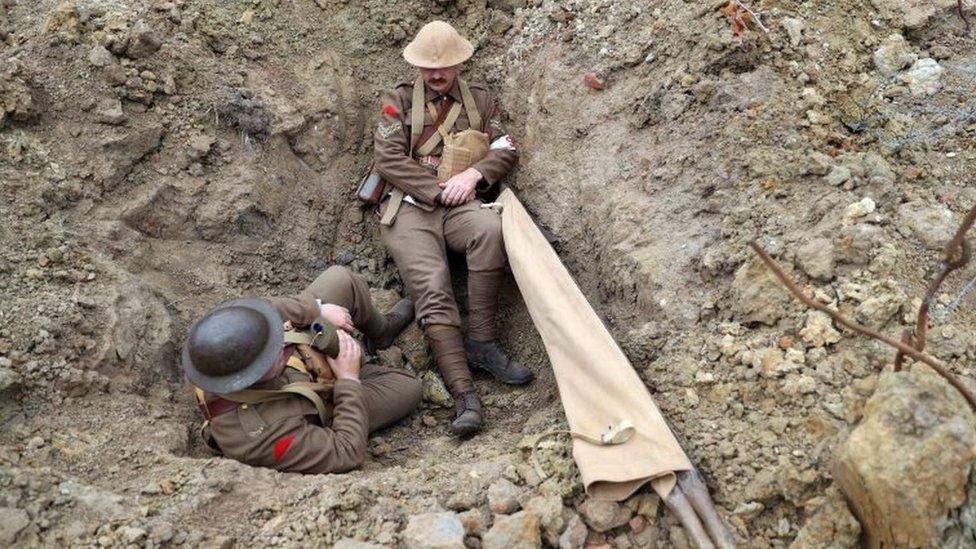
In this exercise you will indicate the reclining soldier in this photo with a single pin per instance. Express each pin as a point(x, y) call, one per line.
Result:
point(439, 143)
point(279, 380)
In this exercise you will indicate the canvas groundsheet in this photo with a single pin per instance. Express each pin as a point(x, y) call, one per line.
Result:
point(598, 386)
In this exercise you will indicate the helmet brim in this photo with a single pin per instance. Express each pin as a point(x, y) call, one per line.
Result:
point(259, 366)
point(417, 58)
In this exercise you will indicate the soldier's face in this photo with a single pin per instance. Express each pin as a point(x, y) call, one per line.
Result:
point(440, 80)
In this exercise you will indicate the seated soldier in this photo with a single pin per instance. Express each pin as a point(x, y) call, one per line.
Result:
point(291, 400)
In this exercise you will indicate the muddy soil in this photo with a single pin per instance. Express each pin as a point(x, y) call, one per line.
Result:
point(157, 157)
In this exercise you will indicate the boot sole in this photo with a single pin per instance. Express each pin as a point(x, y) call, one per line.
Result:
point(509, 381)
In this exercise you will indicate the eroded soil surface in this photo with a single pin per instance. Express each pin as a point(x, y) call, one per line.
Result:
point(157, 157)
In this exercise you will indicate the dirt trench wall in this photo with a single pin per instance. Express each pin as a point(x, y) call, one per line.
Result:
point(158, 157)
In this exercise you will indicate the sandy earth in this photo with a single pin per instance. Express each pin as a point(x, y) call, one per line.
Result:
point(157, 157)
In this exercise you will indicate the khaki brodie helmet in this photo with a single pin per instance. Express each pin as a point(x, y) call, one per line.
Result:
point(233, 345)
point(437, 46)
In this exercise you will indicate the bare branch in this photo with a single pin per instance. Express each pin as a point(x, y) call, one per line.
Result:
point(957, 255)
point(759, 22)
point(933, 362)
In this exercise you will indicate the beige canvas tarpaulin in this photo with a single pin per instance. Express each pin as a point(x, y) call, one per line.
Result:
point(597, 385)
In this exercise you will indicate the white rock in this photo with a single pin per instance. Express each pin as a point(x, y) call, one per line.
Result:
point(924, 78)
point(434, 531)
point(794, 29)
point(893, 55)
point(860, 208)
point(819, 330)
point(806, 384)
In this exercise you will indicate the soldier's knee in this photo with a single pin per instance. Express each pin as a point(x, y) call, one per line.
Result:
point(492, 225)
point(337, 272)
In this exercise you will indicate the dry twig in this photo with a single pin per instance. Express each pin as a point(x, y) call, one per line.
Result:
point(957, 254)
point(933, 362)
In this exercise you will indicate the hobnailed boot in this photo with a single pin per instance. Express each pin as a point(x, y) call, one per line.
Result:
point(470, 414)
point(488, 356)
point(382, 330)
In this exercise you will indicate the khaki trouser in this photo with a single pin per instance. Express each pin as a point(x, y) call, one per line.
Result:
point(390, 393)
point(419, 240)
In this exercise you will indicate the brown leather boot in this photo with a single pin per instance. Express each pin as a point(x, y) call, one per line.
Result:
point(447, 346)
point(470, 415)
point(382, 330)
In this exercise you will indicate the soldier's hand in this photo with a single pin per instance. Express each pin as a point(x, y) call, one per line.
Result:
point(346, 364)
point(338, 316)
point(460, 189)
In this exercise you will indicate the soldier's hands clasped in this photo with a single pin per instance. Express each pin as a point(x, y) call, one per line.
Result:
point(338, 316)
point(460, 189)
point(346, 364)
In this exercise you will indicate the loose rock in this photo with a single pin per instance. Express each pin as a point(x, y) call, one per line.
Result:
point(819, 330)
point(574, 536)
point(109, 111)
point(520, 530)
point(756, 294)
point(924, 77)
point(434, 531)
point(917, 441)
point(503, 497)
point(143, 41)
point(893, 55)
point(932, 224)
point(604, 515)
point(12, 521)
point(816, 258)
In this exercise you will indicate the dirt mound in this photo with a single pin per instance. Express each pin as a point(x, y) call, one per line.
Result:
point(158, 156)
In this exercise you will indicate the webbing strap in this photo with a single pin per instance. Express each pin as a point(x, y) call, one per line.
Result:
point(307, 389)
point(614, 434)
point(474, 117)
point(396, 198)
point(442, 130)
point(416, 114)
point(417, 128)
point(303, 338)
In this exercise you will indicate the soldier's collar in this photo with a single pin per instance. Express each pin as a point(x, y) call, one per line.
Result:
point(454, 94)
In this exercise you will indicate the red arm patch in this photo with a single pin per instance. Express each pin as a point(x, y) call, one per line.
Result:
point(281, 446)
point(389, 110)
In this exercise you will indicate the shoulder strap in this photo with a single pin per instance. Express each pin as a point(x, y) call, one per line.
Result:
point(474, 117)
point(416, 114)
point(443, 124)
point(305, 389)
